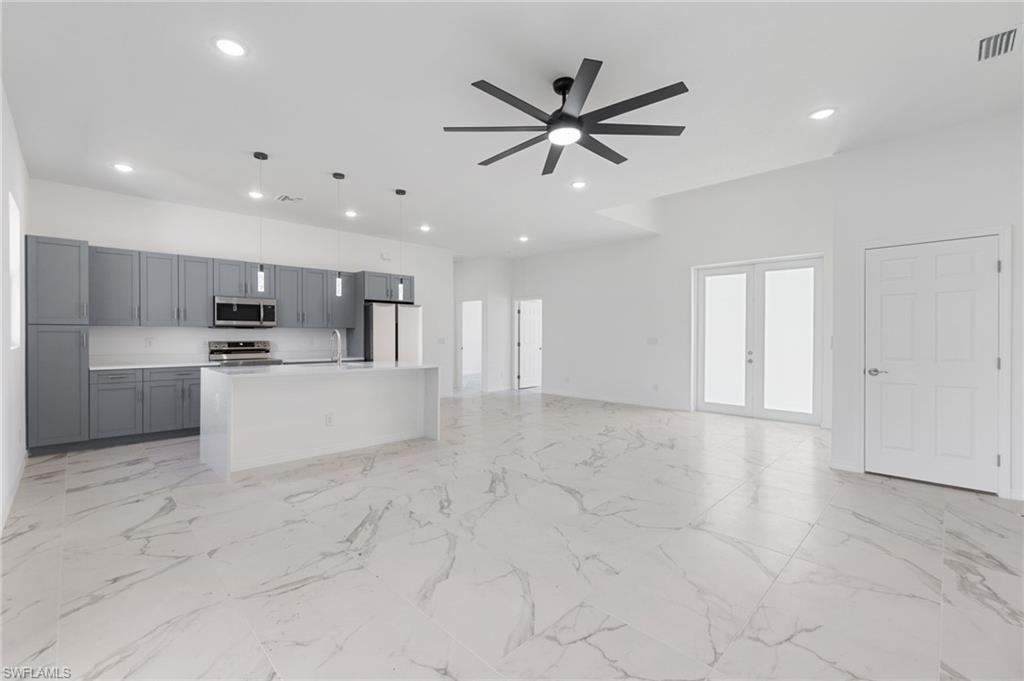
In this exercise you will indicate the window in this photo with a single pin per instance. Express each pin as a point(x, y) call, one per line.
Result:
point(14, 269)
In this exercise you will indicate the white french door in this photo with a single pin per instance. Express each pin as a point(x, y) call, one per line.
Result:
point(931, 367)
point(759, 339)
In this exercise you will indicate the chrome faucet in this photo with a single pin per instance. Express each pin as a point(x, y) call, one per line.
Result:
point(336, 342)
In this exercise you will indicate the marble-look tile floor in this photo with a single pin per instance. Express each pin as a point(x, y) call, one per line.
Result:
point(542, 537)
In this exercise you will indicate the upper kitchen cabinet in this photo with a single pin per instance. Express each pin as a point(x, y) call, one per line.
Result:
point(314, 298)
point(341, 294)
point(57, 280)
point(57, 384)
point(288, 286)
point(402, 288)
point(195, 291)
point(229, 278)
point(113, 287)
point(253, 280)
point(159, 289)
point(376, 286)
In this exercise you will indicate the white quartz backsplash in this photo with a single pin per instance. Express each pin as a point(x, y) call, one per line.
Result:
point(124, 346)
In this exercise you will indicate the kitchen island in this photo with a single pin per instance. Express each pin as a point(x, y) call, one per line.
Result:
point(257, 416)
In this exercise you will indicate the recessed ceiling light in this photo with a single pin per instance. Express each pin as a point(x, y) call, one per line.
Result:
point(579, 184)
point(230, 47)
point(123, 168)
point(255, 194)
point(566, 133)
point(424, 228)
point(350, 213)
point(524, 239)
point(822, 114)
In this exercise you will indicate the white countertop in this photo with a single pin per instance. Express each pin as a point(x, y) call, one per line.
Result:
point(123, 363)
point(312, 370)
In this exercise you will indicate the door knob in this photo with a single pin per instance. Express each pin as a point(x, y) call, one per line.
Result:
point(874, 372)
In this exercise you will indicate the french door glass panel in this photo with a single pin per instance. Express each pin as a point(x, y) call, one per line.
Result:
point(760, 341)
point(725, 339)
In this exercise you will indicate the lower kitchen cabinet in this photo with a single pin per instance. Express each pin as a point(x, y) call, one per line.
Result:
point(57, 382)
point(190, 409)
point(162, 401)
point(115, 409)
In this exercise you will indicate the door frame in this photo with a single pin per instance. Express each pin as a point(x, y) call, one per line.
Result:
point(755, 314)
point(1009, 454)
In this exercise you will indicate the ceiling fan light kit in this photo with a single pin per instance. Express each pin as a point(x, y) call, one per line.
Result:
point(569, 125)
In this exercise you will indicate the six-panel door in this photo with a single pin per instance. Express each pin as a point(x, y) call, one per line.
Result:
point(159, 289)
point(195, 291)
point(57, 358)
point(113, 287)
point(115, 409)
point(57, 280)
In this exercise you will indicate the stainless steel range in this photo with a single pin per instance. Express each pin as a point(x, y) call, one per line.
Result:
point(241, 353)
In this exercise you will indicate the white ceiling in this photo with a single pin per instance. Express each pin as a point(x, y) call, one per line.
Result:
point(365, 89)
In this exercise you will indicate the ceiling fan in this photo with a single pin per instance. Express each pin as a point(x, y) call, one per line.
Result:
point(568, 124)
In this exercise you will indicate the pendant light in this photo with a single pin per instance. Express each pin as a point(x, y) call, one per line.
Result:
point(400, 193)
point(338, 286)
point(261, 277)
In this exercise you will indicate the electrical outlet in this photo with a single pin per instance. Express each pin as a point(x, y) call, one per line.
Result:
point(651, 340)
point(441, 340)
point(328, 420)
point(655, 387)
point(149, 341)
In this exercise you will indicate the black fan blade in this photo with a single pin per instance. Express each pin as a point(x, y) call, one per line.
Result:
point(497, 128)
point(512, 100)
point(554, 153)
point(629, 129)
point(602, 150)
point(581, 87)
point(519, 147)
point(634, 103)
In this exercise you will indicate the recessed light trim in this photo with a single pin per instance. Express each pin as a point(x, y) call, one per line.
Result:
point(524, 239)
point(231, 48)
point(351, 213)
point(254, 194)
point(123, 168)
point(821, 114)
point(579, 184)
point(424, 228)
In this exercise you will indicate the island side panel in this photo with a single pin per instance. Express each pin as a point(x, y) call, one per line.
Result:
point(214, 424)
point(432, 404)
point(280, 418)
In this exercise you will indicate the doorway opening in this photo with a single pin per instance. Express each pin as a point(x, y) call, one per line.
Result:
point(529, 343)
point(759, 339)
point(471, 346)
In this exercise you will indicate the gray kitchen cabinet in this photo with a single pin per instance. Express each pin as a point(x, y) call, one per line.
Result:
point(314, 299)
point(376, 286)
point(190, 408)
point(115, 409)
point(113, 287)
point(57, 281)
point(341, 311)
point(252, 280)
point(402, 288)
point(288, 286)
point(162, 401)
point(57, 384)
point(158, 290)
point(229, 278)
point(195, 291)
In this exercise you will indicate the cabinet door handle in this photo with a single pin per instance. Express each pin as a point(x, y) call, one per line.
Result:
point(184, 314)
point(85, 310)
point(81, 335)
point(138, 394)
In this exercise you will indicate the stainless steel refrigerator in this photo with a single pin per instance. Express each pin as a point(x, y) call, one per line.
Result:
point(393, 333)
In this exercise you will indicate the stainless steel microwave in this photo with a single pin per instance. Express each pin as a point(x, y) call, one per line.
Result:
point(244, 312)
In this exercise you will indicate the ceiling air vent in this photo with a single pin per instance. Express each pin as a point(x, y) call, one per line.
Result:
point(997, 44)
point(287, 198)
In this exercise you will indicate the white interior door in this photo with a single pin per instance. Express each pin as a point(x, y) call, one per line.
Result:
point(931, 349)
point(471, 344)
point(529, 342)
point(760, 340)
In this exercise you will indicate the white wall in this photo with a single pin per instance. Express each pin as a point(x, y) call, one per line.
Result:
point(959, 181)
point(617, 317)
point(108, 219)
point(13, 182)
point(490, 280)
